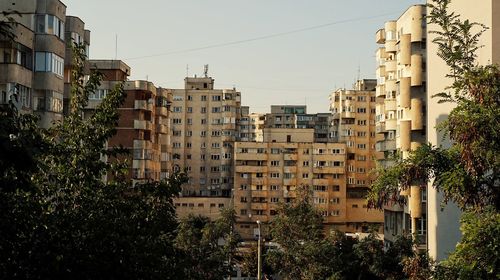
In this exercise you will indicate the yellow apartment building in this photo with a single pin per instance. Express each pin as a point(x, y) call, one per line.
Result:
point(203, 131)
point(267, 173)
point(400, 112)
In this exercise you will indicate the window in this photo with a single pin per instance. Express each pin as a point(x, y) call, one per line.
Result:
point(275, 163)
point(243, 199)
point(305, 175)
point(336, 188)
point(49, 62)
point(216, 98)
point(216, 110)
point(215, 157)
point(243, 212)
point(203, 98)
point(177, 109)
point(178, 98)
point(274, 187)
point(177, 121)
point(98, 94)
point(362, 146)
point(49, 24)
point(203, 110)
point(275, 175)
point(275, 199)
point(305, 163)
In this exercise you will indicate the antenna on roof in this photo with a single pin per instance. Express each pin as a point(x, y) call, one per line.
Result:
point(205, 70)
point(116, 46)
point(187, 70)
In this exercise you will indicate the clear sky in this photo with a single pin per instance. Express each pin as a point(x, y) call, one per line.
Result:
point(159, 38)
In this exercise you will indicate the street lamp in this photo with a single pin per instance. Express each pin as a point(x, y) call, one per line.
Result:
point(259, 261)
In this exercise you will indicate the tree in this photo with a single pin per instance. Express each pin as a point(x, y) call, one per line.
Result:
point(306, 252)
point(467, 173)
point(59, 219)
point(298, 229)
point(208, 246)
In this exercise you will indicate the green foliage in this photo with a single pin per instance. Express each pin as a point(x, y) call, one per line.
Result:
point(467, 173)
point(208, 247)
point(305, 252)
point(59, 219)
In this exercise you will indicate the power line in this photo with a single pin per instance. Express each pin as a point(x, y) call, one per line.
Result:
point(280, 34)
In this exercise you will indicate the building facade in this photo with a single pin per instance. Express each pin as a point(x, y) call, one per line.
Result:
point(443, 224)
point(32, 66)
point(401, 106)
point(268, 173)
point(204, 126)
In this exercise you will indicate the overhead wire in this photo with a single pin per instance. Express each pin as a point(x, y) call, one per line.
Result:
point(264, 37)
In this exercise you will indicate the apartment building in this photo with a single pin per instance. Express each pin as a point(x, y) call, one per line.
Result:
point(204, 128)
point(32, 66)
point(268, 173)
point(296, 116)
point(400, 112)
point(353, 124)
point(37, 64)
point(251, 125)
point(143, 127)
point(443, 224)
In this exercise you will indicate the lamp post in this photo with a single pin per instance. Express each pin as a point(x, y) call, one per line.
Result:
point(259, 261)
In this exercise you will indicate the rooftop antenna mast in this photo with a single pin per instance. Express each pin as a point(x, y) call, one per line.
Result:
point(187, 70)
point(116, 46)
point(205, 70)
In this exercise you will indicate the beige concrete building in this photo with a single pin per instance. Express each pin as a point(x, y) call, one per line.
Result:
point(204, 127)
point(443, 225)
point(33, 65)
point(401, 99)
point(269, 172)
point(251, 126)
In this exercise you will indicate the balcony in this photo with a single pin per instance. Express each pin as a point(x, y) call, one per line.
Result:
point(390, 124)
point(15, 73)
point(250, 169)
point(390, 66)
point(142, 144)
point(258, 206)
point(163, 111)
point(289, 156)
point(160, 128)
point(380, 90)
point(388, 145)
point(390, 104)
point(348, 115)
point(142, 124)
point(380, 127)
point(259, 194)
point(380, 36)
point(143, 105)
point(328, 170)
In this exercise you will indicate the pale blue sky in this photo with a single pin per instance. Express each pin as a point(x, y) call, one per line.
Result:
point(301, 67)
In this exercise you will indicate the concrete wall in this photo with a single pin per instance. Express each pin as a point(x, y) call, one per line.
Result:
point(443, 224)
